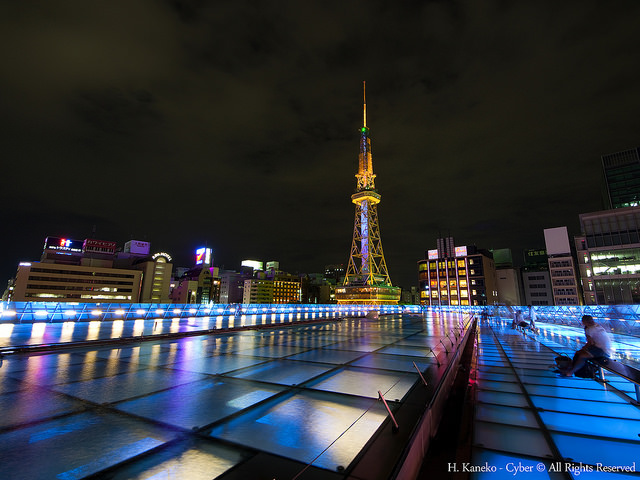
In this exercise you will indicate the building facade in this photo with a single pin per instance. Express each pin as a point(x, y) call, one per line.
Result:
point(536, 281)
point(562, 267)
point(54, 282)
point(608, 252)
point(468, 277)
point(621, 173)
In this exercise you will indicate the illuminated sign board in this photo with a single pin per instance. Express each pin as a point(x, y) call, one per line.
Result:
point(99, 246)
point(203, 256)
point(461, 251)
point(256, 265)
point(161, 255)
point(63, 244)
point(433, 254)
point(137, 247)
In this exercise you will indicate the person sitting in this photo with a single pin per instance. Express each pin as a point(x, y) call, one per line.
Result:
point(598, 345)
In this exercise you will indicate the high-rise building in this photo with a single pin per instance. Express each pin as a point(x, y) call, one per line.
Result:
point(536, 281)
point(621, 179)
point(366, 280)
point(562, 267)
point(609, 256)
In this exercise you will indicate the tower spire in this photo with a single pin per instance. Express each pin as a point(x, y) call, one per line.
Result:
point(364, 98)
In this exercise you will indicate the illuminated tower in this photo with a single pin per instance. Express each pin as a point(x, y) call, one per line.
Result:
point(366, 281)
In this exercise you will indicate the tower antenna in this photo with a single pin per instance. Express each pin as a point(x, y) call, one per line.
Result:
point(364, 98)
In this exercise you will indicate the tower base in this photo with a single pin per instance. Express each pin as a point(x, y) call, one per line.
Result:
point(367, 295)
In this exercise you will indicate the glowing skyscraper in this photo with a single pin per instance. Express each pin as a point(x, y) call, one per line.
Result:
point(367, 280)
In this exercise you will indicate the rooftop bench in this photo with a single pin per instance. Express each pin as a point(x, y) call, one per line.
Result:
point(625, 371)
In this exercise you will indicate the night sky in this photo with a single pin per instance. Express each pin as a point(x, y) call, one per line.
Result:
point(235, 123)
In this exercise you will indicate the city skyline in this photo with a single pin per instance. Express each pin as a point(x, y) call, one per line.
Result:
point(236, 126)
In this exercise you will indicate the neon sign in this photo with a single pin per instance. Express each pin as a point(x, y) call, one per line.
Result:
point(203, 256)
point(461, 251)
point(63, 244)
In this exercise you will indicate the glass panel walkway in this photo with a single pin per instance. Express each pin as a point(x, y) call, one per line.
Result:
point(218, 405)
point(206, 406)
point(532, 423)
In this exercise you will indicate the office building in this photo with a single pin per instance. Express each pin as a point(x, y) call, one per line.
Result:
point(621, 173)
point(156, 278)
point(536, 281)
point(76, 271)
point(466, 277)
point(608, 252)
point(258, 290)
point(55, 282)
point(562, 267)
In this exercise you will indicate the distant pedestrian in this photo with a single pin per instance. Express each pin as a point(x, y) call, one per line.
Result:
point(532, 320)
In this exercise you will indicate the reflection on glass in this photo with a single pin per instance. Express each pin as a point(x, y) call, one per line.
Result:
point(67, 331)
point(175, 325)
point(89, 364)
point(5, 330)
point(37, 330)
point(94, 330)
point(116, 328)
point(138, 327)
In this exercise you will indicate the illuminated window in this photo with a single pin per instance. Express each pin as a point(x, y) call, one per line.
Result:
point(462, 272)
point(434, 294)
point(452, 283)
point(443, 284)
point(464, 293)
point(461, 263)
point(463, 283)
point(434, 283)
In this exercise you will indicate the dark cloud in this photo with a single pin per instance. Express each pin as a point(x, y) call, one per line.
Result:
point(236, 122)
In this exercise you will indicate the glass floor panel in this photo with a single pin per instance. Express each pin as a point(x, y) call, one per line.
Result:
point(327, 356)
point(512, 439)
point(307, 426)
point(394, 362)
point(198, 460)
point(592, 451)
point(615, 428)
point(200, 403)
point(502, 398)
point(283, 372)
point(502, 414)
point(33, 404)
point(219, 364)
point(587, 407)
point(366, 383)
point(124, 386)
point(75, 446)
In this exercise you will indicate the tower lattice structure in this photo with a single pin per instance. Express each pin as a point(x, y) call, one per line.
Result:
point(367, 278)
